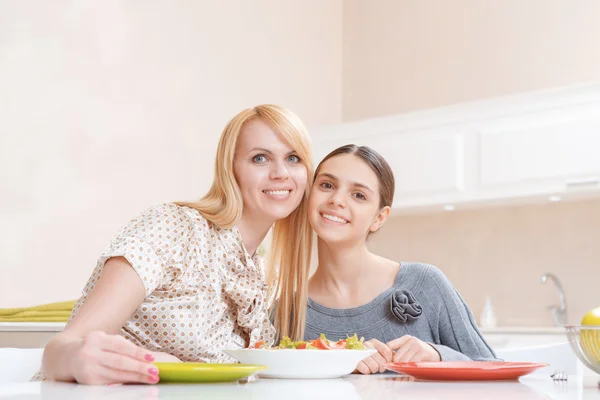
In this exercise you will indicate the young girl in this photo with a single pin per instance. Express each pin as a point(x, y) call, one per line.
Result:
point(182, 281)
point(409, 311)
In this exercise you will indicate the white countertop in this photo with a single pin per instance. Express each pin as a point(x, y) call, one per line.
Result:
point(353, 387)
point(525, 330)
point(32, 326)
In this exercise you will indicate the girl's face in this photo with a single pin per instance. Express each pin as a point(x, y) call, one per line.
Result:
point(271, 177)
point(344, 201)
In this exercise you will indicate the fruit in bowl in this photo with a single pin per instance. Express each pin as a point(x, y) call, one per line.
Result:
point(592, 317)
point(590, 338)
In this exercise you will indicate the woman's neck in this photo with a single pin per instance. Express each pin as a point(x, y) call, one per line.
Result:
point(253, 231)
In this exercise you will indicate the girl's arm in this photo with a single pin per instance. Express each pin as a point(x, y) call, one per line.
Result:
point(459, 336)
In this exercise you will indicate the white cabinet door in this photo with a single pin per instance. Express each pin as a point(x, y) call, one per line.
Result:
point(560, 153)
point(426, 165)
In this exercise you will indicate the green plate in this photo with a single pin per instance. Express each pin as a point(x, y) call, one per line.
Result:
point(203, 372)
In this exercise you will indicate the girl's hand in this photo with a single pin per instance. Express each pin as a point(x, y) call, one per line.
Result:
point(101, 359)
point(410, 349)
point(375, 363)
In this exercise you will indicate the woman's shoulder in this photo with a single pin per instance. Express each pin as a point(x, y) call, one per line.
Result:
point(165, 221)
point(172, 214)
point(173, 211)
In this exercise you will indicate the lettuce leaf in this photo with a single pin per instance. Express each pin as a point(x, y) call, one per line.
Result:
point(354, 343)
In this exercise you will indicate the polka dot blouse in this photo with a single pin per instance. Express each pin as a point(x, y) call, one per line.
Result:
point(204, 293)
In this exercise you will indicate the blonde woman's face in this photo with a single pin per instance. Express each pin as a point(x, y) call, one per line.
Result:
point(344, 200)
point(271, 176)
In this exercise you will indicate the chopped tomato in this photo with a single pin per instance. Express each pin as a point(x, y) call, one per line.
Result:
point(322, 344)
point(341, 344)
point(259, 345)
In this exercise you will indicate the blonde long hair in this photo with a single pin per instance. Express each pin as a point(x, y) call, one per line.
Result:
point(291, 245)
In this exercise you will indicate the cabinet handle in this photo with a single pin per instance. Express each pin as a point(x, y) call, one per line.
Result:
point(591, 181)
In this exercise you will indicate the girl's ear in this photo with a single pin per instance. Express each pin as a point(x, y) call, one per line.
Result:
point(383, 215)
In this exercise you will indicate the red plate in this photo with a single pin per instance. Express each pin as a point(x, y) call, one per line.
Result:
point(465, 370)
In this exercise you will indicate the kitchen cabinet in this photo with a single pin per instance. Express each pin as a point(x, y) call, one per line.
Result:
point(424, 165)
point(429, 168)
point(28, 334)
point(522, 147)
point(553, 152)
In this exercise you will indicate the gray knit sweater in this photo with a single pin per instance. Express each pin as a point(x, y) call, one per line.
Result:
point(422, 303)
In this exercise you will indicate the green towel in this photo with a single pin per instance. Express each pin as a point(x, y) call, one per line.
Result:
point(53, 312)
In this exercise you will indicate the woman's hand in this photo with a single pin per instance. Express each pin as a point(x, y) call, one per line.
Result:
point(375, 363)
point(165, 357)
point(101, 359)
point(410, 349)
point(89, 349)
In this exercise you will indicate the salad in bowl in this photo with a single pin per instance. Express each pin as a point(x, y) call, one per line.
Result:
point(312, 359)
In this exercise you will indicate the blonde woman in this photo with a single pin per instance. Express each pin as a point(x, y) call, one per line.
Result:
point(182, 282)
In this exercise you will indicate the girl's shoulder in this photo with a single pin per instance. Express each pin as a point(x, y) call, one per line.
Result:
point(417, 274)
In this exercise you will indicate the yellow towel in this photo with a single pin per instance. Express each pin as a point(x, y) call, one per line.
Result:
point(53, 312)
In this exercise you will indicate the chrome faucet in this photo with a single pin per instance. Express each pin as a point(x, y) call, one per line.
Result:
point(558, 312)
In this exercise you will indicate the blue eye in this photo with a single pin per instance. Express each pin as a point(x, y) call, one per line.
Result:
point(294, 159)
point(259, 159)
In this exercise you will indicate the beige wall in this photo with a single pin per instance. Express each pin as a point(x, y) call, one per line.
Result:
point(503, 252)
point(402, 55)
point(109, 107)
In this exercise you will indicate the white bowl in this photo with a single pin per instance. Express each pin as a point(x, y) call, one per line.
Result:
point(302, 364)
